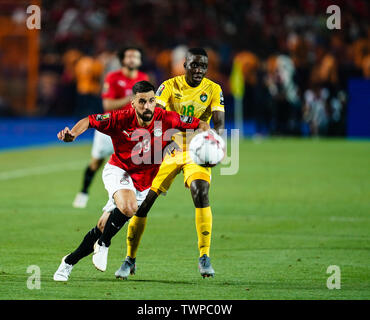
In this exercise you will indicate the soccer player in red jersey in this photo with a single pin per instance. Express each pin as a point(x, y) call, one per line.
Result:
point(139, 136)
point(117, 93)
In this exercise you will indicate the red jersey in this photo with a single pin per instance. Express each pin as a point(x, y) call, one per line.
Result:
point(138, 150)
point(117, 85)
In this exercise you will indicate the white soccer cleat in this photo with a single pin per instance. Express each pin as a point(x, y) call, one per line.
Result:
point(63, 272)
point(100, 256)
point(80, 200)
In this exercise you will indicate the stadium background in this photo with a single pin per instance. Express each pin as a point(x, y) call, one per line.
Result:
point(299, 80)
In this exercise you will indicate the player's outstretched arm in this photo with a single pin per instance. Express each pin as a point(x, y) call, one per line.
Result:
point(218, 118)
point(69, 135)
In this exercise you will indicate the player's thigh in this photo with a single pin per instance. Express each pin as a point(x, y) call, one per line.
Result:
point(169, 169)
point(102, 146)
point(192, 172)
point(121, 190)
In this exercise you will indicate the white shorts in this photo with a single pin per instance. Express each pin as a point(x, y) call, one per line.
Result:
point(102, 146)
point(115, 179)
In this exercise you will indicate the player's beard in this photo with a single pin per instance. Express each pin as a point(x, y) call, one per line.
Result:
point(146, 115)
point(130, 67)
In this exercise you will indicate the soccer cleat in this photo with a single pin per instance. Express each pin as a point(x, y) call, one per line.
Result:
point(100, 256)
point(205, 267)
point(80, 200)
point(128, 267)
point(63, 272)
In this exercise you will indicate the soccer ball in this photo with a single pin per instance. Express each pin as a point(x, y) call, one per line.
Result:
point(207, 148)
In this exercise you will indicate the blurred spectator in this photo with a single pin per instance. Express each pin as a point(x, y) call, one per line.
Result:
point(315, 110)
point(366, 66)
point(284, 91)
point(89, 71)
point(289, 56)
point(177, 60)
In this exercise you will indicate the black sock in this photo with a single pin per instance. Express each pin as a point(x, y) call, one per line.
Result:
point(88, 177)
point(86, 247)
point(114, 223)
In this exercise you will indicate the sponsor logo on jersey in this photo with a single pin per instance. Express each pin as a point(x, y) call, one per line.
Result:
point(186, 119)
point(178, 95)
point(221, 98)
point(157, 132)
point(160, 90)
point(203, 97)
point(101, 117)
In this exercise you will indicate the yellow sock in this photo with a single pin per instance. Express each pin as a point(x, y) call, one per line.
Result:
point(134, 232)
point(203, 223)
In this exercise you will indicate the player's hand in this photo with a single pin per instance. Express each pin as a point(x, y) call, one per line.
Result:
point(66, 135)
point(203, 126)
point(171, 148)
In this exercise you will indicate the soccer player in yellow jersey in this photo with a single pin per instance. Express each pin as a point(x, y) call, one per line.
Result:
point(190, 94)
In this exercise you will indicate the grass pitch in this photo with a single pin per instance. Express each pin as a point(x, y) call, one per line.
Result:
point(294, 208)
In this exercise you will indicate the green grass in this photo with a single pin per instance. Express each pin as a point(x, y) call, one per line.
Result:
point(294, 208)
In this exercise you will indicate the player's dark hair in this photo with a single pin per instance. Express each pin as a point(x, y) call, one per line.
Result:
point(121, 53)
point(198, 51)
point(142, 86)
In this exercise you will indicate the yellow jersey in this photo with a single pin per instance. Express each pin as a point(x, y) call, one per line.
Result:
point(176, 95)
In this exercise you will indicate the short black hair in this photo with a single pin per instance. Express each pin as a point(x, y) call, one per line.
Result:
point(121, 53)
point(198, 51)
point(142, 86)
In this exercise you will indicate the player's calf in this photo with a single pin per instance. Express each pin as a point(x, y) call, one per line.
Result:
point(114, 223)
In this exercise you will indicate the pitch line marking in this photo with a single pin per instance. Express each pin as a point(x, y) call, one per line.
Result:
point(25, 172)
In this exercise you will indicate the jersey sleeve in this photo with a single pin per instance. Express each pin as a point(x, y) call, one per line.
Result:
point(180, 122)
point(217, 102)
point(104, 122)
point(163, 93)
point(108, 88)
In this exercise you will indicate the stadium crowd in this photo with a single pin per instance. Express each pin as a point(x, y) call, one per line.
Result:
point(295, 69)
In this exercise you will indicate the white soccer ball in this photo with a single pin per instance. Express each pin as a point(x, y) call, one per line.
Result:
point(207, 148)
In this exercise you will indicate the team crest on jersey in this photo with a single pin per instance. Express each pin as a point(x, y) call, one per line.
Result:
point(221, 98)
point(186, 119)
point(125, 179)
point(160, 90)
point(101, 117)
point(203, 97)
point(157, 132)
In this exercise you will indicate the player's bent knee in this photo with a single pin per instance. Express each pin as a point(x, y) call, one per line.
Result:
point(199, 191)
point(127, 208)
